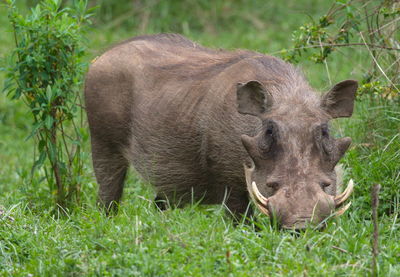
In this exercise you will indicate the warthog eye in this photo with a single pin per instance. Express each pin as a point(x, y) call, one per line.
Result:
point(273, 185)
point(269, 136)
point(325, 130)
point(269, 130)
point(324, 185)
point(324, 141)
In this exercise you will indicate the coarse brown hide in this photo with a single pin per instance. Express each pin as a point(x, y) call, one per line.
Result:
point(187, 118)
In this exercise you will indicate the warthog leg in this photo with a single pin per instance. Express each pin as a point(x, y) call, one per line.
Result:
point(110, 168)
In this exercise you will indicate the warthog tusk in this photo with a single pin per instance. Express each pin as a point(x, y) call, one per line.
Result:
point(342, 210)
point(263, 210)
point(341, 198)
point(259, 197)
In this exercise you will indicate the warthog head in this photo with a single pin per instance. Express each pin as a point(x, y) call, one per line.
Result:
point(291, 171)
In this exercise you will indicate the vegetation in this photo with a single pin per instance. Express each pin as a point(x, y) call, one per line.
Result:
point(45, 72)
point(373, 26)
point(199, 240)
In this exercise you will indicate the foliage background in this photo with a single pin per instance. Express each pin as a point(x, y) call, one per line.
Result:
point(199, 240)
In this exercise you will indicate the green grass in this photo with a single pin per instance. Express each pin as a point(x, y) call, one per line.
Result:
point(195, 241)
point(201, 240)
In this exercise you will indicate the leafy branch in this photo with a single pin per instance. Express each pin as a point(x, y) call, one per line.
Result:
point(371, 25)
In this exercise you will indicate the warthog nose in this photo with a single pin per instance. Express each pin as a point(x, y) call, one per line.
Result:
point(303, 224)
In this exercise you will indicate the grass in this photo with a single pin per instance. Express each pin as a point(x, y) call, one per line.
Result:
point(200, 240)
point(194, 241)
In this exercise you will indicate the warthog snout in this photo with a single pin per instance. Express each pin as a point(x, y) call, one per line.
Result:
point(303, 210)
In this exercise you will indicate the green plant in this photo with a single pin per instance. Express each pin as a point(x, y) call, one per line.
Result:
point(371, 25)
point(45, 72)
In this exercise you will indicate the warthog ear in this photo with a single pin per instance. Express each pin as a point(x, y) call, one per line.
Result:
point(339, 101)
point(252, 98)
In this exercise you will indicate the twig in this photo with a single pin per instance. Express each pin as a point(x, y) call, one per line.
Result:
point(325, 63)
point(387, 24)
point(377, 64)
point(339, 45)
point(394, 63)
point(4, 215)
point(340, 249)
point(375, 247)
point(371, 37)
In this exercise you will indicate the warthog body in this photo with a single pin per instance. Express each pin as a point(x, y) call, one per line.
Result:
point(188, 118)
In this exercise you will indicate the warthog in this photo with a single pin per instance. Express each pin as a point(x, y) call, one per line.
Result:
point(216, 126)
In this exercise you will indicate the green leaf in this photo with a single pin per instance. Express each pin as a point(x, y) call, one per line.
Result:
point(52, 152)
point(39, 162)
point(42, 145)
point(49, 122)
point(49, 94)
point(36, 127)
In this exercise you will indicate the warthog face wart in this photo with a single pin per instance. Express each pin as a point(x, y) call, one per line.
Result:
point(291, 169)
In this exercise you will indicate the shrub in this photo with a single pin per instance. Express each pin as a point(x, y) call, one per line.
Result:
point(45, 72)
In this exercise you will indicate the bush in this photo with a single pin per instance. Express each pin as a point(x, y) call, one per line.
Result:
point(45, 72)
point(371, 25)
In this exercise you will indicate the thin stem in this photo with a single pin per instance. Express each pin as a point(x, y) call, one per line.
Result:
point(339, 45)
point(375, 237)
point(377, 64)
point(325, 63)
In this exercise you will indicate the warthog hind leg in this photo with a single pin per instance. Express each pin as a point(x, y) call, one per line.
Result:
point(110, 168)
